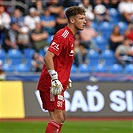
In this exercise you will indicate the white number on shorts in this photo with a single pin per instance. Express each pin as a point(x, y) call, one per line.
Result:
point(59, 103)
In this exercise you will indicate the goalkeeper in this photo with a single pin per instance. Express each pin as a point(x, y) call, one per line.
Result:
point(54, 78)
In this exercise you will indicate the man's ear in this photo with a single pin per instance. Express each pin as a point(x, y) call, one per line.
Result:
point(72, 20)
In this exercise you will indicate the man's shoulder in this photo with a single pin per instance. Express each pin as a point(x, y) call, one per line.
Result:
point(63, 33)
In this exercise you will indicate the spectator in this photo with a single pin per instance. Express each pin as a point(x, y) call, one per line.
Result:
point(2, 72)
point(114, 4)
point(124, 52)
point(37, 62)
point(39, 37)
point(54, 7)
point(107, 3)
point(101, 12)
point(80, 56)
point(24, 38)
point(87, 36)
point(11, 37)
point(48, 22)
point(88, 8)
point(3, 31)
point(116, 38)
point(4, 17)
point(61, 20)
point(125, 8)
point(17, 18)
point(39, 6)
point(129, 32)
point(68, 3)
point(31, 19)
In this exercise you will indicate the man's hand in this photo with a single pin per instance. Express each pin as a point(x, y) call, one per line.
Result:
point(56, 86)
point(69, 84)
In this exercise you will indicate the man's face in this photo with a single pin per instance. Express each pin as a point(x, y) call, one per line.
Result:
point(79, 21)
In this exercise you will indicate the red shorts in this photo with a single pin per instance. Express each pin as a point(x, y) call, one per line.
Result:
point(51, 102)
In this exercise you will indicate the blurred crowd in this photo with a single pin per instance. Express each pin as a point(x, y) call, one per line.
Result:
point(35, 28)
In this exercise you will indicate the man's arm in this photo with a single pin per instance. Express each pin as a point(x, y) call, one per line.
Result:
point(56, 86)
point(48, 59)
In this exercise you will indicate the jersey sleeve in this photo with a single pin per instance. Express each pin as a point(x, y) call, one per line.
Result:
point(56, 45)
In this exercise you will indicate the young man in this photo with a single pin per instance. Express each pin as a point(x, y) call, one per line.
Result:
point(54, 78)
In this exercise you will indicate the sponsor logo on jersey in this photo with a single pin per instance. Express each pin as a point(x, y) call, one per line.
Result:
point(55, 46)
point(65, 33)
point(71, 52)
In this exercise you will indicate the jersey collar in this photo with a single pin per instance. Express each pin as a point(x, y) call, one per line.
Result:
point(69, 30)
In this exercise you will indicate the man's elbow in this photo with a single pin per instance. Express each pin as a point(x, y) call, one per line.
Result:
point(45, 59)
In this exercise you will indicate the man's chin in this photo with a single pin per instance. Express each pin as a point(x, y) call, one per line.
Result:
point(81, 29)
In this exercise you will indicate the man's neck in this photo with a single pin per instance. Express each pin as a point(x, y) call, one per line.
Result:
point(72, 28)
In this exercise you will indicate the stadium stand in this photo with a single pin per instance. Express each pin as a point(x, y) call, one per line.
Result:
point(16, 60)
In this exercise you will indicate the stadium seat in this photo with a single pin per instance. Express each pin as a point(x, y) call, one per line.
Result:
point(100, 68)
point(22, 68)
point(74, 68)
point(123, 26)
point(108, 57)
point(8, 68)
point(28, 55)
point(129, 68)
point(114, 14)
point(84, 68)
point(93, 57)
point(42, 52)
point(49, 38)
point(106, 29)
point(28, 52)
point(101, 42)
point(116, 68)
point(94, 25)
point(15, 56)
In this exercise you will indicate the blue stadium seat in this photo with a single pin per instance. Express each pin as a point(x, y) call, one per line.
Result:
point(100, 68)
point(93, 57)
point(114, 14)
point(101, 42)
point(106, 29)
point(74, 68)
point(28, 52)
point(129, 68)
point(8, 68)
point(42, 52)
point(94, 25)
point(108, 57)
point(22, 68)
point(116, 68)
point(28, 55)
point(84, 68)
point(15, 56)
point(123, 26)
point(49, 39)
